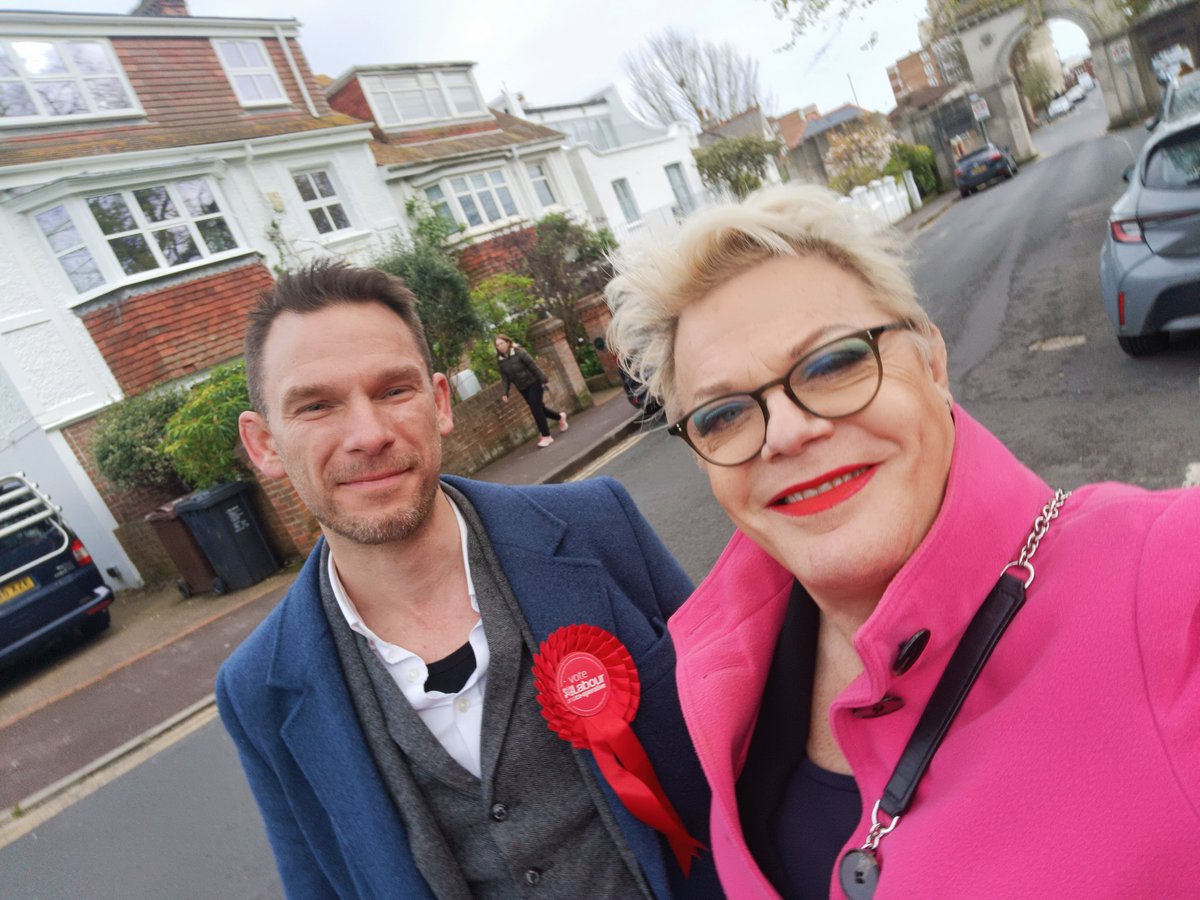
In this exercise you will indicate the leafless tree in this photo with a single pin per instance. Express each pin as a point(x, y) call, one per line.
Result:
point(676, 77)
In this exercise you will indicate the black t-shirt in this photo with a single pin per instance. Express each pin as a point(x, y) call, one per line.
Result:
point(449, 674)
point(795, 815)
point(817, 816)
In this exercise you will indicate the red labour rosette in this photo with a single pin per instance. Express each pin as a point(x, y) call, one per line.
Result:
point(588, 688)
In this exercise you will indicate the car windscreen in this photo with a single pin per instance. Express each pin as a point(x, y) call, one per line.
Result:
point(1175, 163)
point(1185, 100)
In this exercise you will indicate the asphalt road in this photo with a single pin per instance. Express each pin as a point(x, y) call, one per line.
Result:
point(1000, 272)
point(1016, 265)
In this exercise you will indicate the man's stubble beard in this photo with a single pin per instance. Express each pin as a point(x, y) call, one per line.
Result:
point(398, 526)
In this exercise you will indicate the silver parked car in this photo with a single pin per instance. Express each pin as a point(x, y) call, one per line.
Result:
point(1181, 100)
point(1150, 262)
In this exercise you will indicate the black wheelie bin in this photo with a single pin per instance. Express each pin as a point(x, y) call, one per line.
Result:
point(223, 521)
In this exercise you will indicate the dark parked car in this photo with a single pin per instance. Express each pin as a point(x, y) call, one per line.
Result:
point(48, 582)
point(980, 166)
point(635, 393)
point(1150, 261)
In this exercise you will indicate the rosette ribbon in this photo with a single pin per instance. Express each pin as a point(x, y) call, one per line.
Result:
point(588, 689)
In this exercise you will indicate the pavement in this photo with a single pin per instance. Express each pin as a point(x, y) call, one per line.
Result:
point(84, 705)
point(78, 711)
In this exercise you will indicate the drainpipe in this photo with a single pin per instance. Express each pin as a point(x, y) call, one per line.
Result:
point(291, 60)
point(523, 183)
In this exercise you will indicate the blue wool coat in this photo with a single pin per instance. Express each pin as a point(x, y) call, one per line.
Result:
point(573, 554)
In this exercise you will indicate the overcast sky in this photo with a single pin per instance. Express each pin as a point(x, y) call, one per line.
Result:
point(557, 51)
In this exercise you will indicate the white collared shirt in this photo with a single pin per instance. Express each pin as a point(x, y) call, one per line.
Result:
point(456, 720)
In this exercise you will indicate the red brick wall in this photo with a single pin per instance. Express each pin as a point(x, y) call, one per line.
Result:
point(503, 253)
point(351, 100)
point(292, 519)
point(486, 428)
point(125, 505)
point(187, 326)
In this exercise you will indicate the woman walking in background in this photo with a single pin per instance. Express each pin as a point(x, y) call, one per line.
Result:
point(518, 369)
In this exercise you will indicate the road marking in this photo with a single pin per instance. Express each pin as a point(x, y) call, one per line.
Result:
point(1061, 342)
point(1191, 478)
point(595, 465)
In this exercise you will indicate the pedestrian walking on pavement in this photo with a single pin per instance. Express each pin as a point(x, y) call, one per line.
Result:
point(389, 712)
point(518, 369)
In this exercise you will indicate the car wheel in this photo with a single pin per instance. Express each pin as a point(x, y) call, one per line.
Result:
point(963, 192)
point(93, 625)
point(1144, 344)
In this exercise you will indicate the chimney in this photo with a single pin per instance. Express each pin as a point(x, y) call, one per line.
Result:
point(165, 8)
point(514, 102)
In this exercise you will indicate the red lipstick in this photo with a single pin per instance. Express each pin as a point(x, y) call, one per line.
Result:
point(854, 479)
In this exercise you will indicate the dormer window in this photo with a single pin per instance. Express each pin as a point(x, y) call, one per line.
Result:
point(51, 79)
point(250, 72)
point(405, 98)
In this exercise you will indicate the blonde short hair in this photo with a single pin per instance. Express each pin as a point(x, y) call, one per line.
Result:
point(654, 283)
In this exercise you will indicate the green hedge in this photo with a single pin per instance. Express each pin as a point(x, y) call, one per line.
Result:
point(127, 444)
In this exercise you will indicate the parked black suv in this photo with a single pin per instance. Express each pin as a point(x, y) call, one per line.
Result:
point(48, 582)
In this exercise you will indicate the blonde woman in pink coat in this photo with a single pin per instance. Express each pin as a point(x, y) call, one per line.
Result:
point(917, 671)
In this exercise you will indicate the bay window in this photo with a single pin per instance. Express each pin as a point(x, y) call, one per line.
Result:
point(108, 236)
point(477, 199)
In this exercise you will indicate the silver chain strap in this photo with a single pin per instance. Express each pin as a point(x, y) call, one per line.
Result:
point(1040, 526)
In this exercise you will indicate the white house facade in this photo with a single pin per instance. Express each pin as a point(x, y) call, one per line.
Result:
point(437, 142)
point(154, 170)
point(633, 175)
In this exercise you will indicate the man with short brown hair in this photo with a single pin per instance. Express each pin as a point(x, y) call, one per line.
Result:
point(385, 713)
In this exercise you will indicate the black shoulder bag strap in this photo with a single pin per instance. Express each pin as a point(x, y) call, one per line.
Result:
point(859, 870)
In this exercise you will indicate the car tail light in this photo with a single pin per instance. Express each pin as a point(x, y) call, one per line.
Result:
point(1132, 231)
point(1127, 231)
point(80, 552)
point(1121, 307)
point(994, 157)
point(958, 171)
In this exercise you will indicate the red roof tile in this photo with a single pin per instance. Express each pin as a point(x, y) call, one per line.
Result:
point(451, 140)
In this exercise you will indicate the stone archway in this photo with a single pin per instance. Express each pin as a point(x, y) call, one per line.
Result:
point(988, 45)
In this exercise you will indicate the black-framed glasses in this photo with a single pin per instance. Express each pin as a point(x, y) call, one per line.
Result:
point(832, 381)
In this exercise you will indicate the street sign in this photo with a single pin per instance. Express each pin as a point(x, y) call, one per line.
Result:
point(979, 108)
point(1120, 52)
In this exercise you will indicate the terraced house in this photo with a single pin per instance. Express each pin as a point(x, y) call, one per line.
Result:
point(154, 169)
point(437, 142)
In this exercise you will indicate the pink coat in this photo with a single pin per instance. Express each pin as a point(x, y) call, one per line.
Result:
point(1073, 768)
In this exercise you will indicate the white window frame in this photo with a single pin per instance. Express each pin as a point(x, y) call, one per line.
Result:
point(451, 199)
point(323, 202)
point(543, 178)
point(232, 73)
point(367, 81)
point(687, 203)
point(96, 242)
point(73, 74)
point(637, 217)
point(80, 245)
